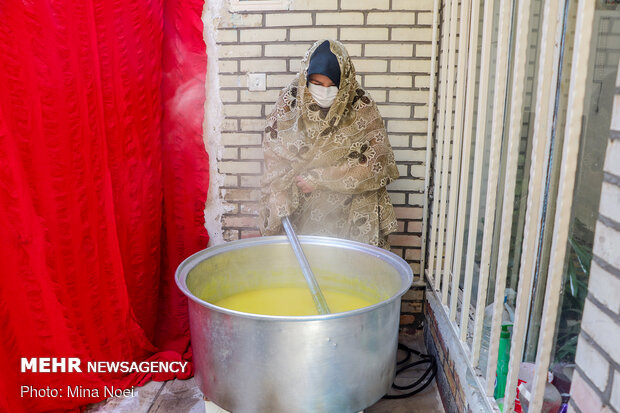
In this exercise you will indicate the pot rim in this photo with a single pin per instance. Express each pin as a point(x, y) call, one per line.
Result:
point(397, 262)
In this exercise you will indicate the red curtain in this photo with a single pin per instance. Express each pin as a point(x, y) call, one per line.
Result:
point(103, 180)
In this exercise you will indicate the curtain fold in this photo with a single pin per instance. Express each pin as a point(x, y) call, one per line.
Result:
point(103, 180)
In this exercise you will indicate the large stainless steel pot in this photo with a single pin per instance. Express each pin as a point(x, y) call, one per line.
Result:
point(342, 362)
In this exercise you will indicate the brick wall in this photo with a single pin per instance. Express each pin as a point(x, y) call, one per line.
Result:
point(458, 384)
point(448, 381)
point(389, 42)
point(596, 381)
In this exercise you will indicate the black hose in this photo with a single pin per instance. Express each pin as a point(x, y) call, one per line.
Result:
point(421, 383)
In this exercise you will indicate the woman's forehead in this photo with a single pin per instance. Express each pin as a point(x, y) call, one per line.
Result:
point(321, 78)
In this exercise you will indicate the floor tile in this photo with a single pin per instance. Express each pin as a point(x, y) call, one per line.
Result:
point(179, 396)
point(140, 403)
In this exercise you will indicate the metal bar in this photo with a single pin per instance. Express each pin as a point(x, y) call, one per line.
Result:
point(481, 121)
point(439, 151)
point(467, 135)
point(429, 134)
point(497, 126)
point(456, 152)
point(447, 133)
point(576, 95)
point(546, 84)
point(513, 141)
point(315, 290)
point(497, 130)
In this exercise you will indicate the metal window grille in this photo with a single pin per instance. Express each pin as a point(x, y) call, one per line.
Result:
point(465, 69)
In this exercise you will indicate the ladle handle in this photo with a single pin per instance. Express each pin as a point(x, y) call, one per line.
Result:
point(317, 295)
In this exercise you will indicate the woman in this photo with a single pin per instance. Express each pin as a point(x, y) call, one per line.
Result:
point(327, 155)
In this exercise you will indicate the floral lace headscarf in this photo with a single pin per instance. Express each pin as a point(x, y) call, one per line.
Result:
point(343, 151)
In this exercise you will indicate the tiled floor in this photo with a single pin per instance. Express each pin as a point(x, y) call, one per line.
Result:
point(183, 396)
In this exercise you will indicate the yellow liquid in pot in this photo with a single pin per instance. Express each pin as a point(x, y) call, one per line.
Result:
point(291, 301)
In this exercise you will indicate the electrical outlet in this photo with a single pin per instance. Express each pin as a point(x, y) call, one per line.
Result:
point(257, 82)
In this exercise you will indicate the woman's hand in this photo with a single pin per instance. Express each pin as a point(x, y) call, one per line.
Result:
point(302, 184)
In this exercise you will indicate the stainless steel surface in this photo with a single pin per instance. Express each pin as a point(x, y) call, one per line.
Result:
point(338, 362)
point(315, 290)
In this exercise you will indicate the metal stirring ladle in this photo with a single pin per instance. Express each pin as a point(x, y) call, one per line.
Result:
point(315, 290)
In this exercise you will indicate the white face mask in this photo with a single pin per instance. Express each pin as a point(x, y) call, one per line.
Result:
point(324, 96)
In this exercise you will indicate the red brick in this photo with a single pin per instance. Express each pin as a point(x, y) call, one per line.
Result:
point(406, 319)
point(414, 226)
point(231, 208)
point(412, 254)
point(450, 377)
point(239, 221)
point(414, 295)
point(409, 212)
point(410, 307)
point(404, 240)
point(397, 251)
point(250, 233)
point(242, 195)
point(250, 208)
point(230, 234)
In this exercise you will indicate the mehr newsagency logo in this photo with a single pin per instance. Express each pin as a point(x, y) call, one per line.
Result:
point(75, 365)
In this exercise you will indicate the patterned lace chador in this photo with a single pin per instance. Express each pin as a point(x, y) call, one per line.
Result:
point(343, 151)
